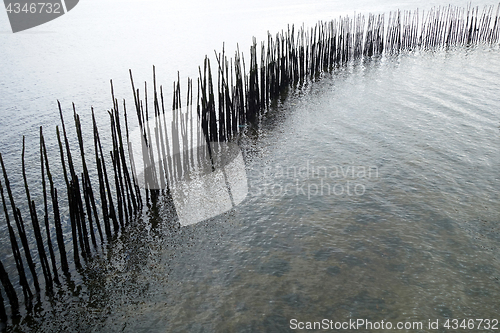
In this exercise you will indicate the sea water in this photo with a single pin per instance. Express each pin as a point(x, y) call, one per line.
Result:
point(372, 192)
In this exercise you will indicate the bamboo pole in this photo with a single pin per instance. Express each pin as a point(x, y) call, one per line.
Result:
point(11, 295)
point(55, 209)
point(46, 213)
point(22, 235)
point(74, 234)
point(36, 227)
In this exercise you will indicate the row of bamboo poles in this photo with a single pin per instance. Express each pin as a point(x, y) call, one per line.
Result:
point(170, 151)
point(87, 218)
point(291, 58)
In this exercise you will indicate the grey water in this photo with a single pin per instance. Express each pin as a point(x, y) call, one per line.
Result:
point(372, 192)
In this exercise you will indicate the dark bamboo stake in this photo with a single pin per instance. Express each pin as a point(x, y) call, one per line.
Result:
point(21, 230)
point(121, 164)
point(102, 186)
point(11, 295)
point(167, 143)
point(28, 295)
point(116, 169)
point(55, 208)
point(163, 170)
point(79, 215)
point(3, 313)
point(131, 197)
point(87, 192)
point(153, 179)
point(36, 227)
point(112, 212)
point(74, 234)
point(131, 158)
point(46, 211)
point(86, 199)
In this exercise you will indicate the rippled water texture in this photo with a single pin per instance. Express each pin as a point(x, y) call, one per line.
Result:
point(413, 236)
point(373, 192)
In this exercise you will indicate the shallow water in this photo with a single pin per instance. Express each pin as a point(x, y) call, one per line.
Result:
point(373, 194)
point(412, 237)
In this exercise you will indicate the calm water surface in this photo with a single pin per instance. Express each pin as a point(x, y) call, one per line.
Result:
point(415, 239)
point(373, 193)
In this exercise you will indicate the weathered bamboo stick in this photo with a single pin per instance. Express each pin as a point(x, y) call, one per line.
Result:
point(46, 213)
point(102, 186)
point(55, 209)
point(36, 227)
point(20, 229)
point(77, 205)
point(11, 295)
point(132, 164)
point(74, 234)
point(88, 192)
point(3, 313)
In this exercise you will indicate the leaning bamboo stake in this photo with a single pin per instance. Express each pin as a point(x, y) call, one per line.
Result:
point(88, 192)
point(3, 313)
point(129, 191)
point(131, 158)
point(76, 206)
point(55, 209)
point(86, 199)
point(36, 227)
point(105, 181)
point(160, 147)
point(120, 159)
point(289, 58)
point(167, 144)
point(119, 199)
point(46, 213)
point(116, 170)
point(74, 234)
point(100, 175)
point(131, 196)
point(11, 294)
point(153, 179)
point(28, 295)
point(20, 229)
